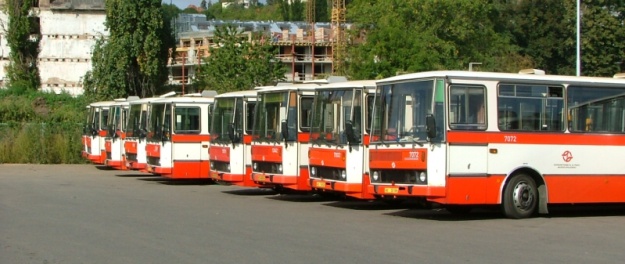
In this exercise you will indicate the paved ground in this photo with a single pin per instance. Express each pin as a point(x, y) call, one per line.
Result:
point(81, 214)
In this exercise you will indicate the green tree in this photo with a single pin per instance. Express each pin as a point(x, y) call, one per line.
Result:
point(190, 10)
point(547, 34)
point(132, 60)
point(238, 64)
point(603, 48)
point(321, 10)
point(420, 35)
point(23, 36)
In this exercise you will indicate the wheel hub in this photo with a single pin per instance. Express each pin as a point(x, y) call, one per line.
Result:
point(523, 196)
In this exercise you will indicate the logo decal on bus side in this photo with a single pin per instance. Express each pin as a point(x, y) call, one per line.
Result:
point(567, 156)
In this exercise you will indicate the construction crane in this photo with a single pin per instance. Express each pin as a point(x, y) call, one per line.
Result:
point(310, 19)
point(339, 43)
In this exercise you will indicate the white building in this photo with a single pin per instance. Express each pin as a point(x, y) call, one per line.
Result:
point(69, 29)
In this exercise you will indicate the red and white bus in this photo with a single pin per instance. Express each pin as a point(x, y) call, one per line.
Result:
point(86, 132)
point(339, 139)
point(280, 139)
point(116, 135)
point(96, 128)
point(231, 138)
point(521, 141)
point(136, 132)
point(177, 136)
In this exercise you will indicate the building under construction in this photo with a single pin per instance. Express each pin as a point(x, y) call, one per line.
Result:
point(306, 53)
point(68, 30)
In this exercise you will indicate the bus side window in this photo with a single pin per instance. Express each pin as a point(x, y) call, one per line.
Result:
point(508, 120)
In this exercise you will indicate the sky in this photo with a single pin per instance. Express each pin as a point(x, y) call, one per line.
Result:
point(182, 4)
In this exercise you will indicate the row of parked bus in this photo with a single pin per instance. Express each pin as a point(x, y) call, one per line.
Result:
point(456, 138)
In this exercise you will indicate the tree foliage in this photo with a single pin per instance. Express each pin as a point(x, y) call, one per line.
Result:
point(23, 37)
point(132, 60)
point(419, 35)
point(238, 64)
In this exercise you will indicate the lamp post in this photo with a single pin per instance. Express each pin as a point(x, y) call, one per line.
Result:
point(579, 61)
point(473, 63)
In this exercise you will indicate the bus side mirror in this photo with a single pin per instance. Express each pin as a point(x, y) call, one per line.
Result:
point(349, 133)
point(141, 133)
point(232, 133)
point(284, 130)
point(166, 136)
point(430, 126)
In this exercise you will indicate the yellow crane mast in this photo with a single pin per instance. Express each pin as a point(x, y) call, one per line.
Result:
point(339, 43)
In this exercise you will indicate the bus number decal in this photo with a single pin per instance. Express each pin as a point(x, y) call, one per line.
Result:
point(509, 138)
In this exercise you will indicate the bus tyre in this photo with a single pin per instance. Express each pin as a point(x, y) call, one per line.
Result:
point(520, 198)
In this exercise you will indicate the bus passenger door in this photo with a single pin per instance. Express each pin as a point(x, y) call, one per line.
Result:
point(467, 176)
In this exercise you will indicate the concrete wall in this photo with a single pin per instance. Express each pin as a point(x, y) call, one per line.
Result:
point(66, 48)
point(67, 40)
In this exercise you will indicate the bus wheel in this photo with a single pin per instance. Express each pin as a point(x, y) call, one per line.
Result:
point(520, 197)
point(458, 209)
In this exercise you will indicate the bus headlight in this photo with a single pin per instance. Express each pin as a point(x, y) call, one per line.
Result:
point(343, 175)
point(228, 167)
point(255, 166)
point(313, 171)
point(423, 177)
point(279, 168)
point(376, 176)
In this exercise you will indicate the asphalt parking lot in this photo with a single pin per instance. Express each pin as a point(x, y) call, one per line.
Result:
point(82, 214)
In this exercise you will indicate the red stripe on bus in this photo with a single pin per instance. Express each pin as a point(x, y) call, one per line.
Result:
point(397, 158)
point(219, 153)
point(186, 138)
point(130, 147)
point(153, 150)
point(266, 153)
point(514, 137)
point(327, 157)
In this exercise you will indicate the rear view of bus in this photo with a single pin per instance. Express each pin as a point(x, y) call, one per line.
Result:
point(116, 135)
point(178, 138)
point(231, 138)
point(281, 136)
point(339, 138)
point(98, 116)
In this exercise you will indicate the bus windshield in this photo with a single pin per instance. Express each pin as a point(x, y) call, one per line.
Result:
point(331, 110)
point(401, 111)
point(114, 120)
point(160, 122)
point(224, 118)
point(134, 119)
point(272, 110)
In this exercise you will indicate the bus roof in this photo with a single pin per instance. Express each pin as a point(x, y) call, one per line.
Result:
point(502, 76)
point(102, 103)
point(247, 93)
point(291, 87)
point(351, 84)
point(144, 100)
point(190, 99)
